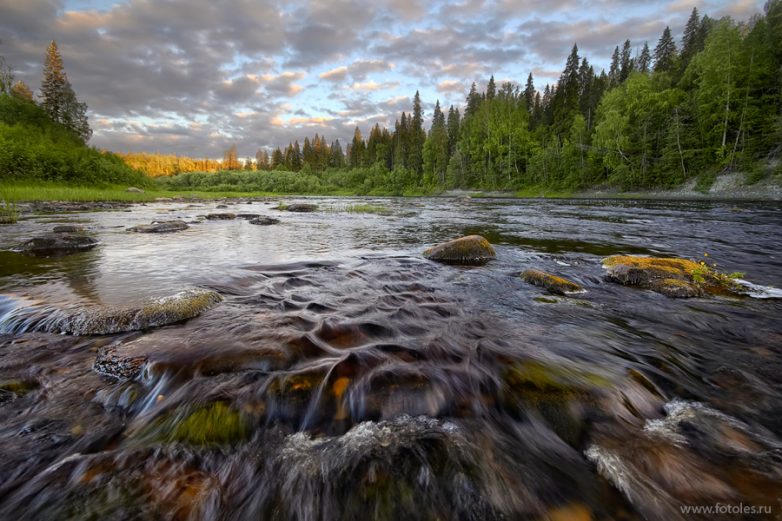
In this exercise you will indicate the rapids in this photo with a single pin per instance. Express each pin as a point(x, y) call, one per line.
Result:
point(341, 375)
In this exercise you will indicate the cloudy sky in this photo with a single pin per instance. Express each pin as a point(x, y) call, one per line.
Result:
point(193, 76)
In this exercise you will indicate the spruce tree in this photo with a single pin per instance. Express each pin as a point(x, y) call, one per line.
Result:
point(22, 91)
point(416, 137)
point(57, 96)
point(665, 52)
point(691, 43)
point(626, 62)
point(453, 125)
point(529, 93)
point(645, 59)
point(613, 72)
point(491, 89)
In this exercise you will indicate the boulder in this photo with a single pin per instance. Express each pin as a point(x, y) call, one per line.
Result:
point(247, 216)
point(154, 313)
point(299, 207)
point(67, 228)
point(264, 221)
point(472, 250)
point(160, 227)
point(134, 190)
point(551, 283)
point(672, 277)
point(58, 244)
point(110, 362)
point(223, 216)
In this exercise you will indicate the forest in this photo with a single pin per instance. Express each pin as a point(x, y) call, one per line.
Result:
point(675, 110)
point(707, 104)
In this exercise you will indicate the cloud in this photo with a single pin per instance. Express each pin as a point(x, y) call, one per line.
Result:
point(194, 76)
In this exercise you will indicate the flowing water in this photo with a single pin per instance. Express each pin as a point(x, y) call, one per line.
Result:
point(343, 376)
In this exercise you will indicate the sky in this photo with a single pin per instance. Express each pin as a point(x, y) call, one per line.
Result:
point(193, 77)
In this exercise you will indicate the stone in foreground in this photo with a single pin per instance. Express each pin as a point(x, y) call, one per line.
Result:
point(160, 227)
point(472, 250)
point(55, 244)
point(67, 228)
point(264, 221)
point(551, 283)
point(155, 313)
point(672, 277)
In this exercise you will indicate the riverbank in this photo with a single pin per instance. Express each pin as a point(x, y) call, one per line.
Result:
point(724, 187)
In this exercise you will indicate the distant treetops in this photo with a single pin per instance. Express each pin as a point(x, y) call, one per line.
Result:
point(57, 97)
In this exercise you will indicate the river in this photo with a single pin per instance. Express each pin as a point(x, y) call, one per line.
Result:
point(344, 376)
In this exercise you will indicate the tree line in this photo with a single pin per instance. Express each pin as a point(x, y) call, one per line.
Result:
point(659, 116)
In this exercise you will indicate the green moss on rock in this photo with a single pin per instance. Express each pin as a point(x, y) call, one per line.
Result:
point(673, 277)
point(472, 250)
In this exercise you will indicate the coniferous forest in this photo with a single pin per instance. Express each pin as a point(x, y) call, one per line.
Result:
point(693, 107)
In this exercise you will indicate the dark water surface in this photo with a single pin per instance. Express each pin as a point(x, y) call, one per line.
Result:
point(345, 377)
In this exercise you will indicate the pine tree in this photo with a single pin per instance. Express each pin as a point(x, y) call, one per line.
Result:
point(473, 100)
point(626, 62)
point(22, 91)
point(645, 59)
point(453, 125)
point(57, 96)
point(416, 137)
point(356, 155)
point(665, 52)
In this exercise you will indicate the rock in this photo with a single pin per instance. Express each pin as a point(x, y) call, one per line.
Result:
point(58, 244)
point(155, 313)
point(248, 216)
point(67, 228)
point(299, 207)
point(552, 283)
point(134, 190)
point(160, 227)
point(221, 206)
point(672, 277)
point(264, 221)
point(472, 250)
point(221, 216)
point(111, 363)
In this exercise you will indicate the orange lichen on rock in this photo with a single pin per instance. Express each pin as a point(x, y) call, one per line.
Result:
point(552, 283)
point(679, 278)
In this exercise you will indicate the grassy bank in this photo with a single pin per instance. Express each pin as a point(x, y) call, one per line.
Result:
point(60, 192)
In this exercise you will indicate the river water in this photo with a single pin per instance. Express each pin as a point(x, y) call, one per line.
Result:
point(343, 376)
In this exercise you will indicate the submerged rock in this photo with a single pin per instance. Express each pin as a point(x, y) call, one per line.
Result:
point(18, 317)
point(264, 221)
point(58, 244)
point(472, 250)
point(112, 363)
point(248, 216)
point(299, 207)
point(155, 313)
point(160, 227)
point(224, 216)
point(552, 283)
point(672, 277)
point(67, 228)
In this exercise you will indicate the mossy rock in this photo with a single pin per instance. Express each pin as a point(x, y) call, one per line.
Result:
point(672, 277)
point(213, 424)
point(551, 283)
point(160, 227)
point(155, 313)
point(472, 250)
point(16, 388)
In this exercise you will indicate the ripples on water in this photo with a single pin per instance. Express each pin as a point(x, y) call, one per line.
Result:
point(344, 377)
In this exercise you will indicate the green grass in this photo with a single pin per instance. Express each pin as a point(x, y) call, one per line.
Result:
point(367, 208)
point(8, 212)
point(533, 192)
point(61, 192)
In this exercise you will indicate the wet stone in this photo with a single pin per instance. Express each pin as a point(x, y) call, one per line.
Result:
point(55, 244)
point(160, 227)
point(224, 216)
point(551, 283)
point(472, 250)
point(67, 228)
point(110, 362)
point(299, 207)
point(264, 221)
